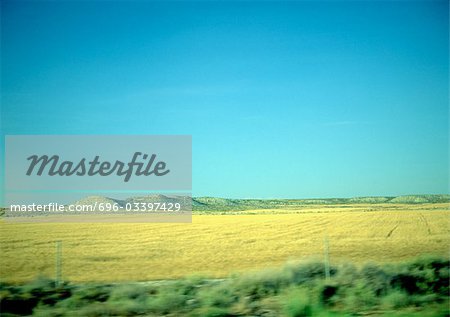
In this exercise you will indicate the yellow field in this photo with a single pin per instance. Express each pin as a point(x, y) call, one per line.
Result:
point(217, 245)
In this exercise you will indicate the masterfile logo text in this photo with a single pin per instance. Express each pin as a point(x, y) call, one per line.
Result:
point(100, 162)
point(98, 178)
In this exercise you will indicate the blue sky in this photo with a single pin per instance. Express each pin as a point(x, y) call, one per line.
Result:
point(282, 99)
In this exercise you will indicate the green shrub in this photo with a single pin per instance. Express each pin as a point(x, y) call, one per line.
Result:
point(306, 272)
point(46, 311)
point(188, 287)
point(424, 300)
point(395, 299)
point(431, 274)
point(360, 297)
point(261, 284)
point(166, 302)
point(298, 304)
point(86, 295)
point(210, 312)
point(424, 275)
point(128, 307)
point(327, 294)
point(218, 296)
point(22, 300)
point(96, 309)
point(375, 278)
point(346, 275)
point(129, 292)
point(20, 304)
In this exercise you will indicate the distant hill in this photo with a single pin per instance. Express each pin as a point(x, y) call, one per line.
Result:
point(215, 204)
point(97, 200)
point(212, 203)
point(224, 204)
point(420, 199)
point(155, 199)
point(92, 200)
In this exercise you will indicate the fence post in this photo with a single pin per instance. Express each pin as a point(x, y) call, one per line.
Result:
point(327, 258)
point(58, 263)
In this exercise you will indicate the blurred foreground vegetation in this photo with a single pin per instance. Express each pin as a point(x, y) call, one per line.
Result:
point(416, 288)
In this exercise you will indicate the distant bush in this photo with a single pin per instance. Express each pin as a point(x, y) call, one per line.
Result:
point(395, 300)
point(298, 304)
point(328, 294)
point(422, 276)
point(166, 302)
point(210, 312)
point(262, 284)
point(21, 300)
point(221, 296)
point(359, 297)
point(305, 272)
point(137, 293)
point(375, 279)
point(82, 296)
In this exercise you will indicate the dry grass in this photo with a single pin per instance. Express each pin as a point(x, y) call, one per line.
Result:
point(217, 245)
